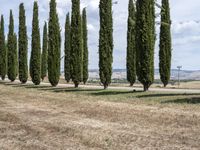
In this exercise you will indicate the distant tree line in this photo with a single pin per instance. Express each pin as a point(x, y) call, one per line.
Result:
point(45, 59)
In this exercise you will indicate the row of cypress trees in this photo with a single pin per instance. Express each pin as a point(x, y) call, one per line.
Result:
point(47, 62)
point(141, 42)
point(140, 45)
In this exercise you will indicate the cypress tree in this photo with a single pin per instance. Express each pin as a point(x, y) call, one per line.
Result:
point(3, 53)
point(76, 44)
point(23, 45)
point(54, 45)
point(44, 53)
point(35, 60)
point(67, 48)
point(105, 42)
point(16, 47)
point(145, 41)
point(131, 48)
point(12, 51)
point(165, 43)
point(85, 46)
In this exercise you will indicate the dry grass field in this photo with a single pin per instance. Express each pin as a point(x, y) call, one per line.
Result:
point(45, 118)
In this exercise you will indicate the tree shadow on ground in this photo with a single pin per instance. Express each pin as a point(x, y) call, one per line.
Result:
point(38, 86)
point(4, 82)
point(69, 89)
point(21, 85)
point(192, 100)
point(167, 95)
point(28, 86)
point(106, 93)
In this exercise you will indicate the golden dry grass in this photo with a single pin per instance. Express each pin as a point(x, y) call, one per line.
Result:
point(45, 118)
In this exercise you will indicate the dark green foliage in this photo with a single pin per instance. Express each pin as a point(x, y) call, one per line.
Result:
point(54, 45)
point(145, 41)
point(67, 48)
point(35, 60)
point(105, 42)
point(76, 44)
point(131, 48)
point(85, 46)
point(165, 43)
point(44, 53)
point(3, 53)
point(23, 45)
point(12, 51)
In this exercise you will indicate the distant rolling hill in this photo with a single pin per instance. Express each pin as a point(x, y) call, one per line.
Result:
point(121, 74)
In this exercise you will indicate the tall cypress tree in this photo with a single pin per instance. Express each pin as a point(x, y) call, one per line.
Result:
point(145, 41)
point(12, 51)
point(54, 45)
point(76, 44)
point(23, 45)
point(165, 43)
point(16, 47)
point(85, 46)
point(35, 61)
point(67, 48)
point(131, 48)
point(44, 52)
point(105, 42)
point(3, 53)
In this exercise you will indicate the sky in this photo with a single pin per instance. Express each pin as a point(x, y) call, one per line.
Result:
point(185, 28)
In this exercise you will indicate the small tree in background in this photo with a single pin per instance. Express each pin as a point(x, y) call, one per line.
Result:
point(165, 43)
point(145, 41)
point(85, 46)
point(105, 42)
point(35, 60)
point(131, 48)
point(3, 53)
point(76, 44)
point(54, 45)
point(44, 53)
point(23, 45)
point(12, 51)
point(67, 48)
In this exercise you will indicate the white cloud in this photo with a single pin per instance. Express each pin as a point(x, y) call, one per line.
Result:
point(186, 26)
point(91, 28)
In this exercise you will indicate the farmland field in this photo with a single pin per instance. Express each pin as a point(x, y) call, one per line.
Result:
point(46, 118)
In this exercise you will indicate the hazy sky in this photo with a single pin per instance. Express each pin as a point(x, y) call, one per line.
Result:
point(185, 28)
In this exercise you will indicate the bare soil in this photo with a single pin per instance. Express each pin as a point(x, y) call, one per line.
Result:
point(41, 118)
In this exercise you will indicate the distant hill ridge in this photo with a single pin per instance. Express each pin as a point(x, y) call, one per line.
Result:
point(184, 74)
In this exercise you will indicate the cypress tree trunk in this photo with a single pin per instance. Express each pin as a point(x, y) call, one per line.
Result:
point(67, 48)
point(23, 46)
point(85, 46)
point(165, 43)
point(54, 45)
point(145, 41)
point(3, 53)
point(12, 51)
point(44, 53)
point(36, 49)
point(131, 48)
point(105, 42)
point(76, 44)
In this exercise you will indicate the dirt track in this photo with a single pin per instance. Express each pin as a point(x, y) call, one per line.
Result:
point(35, 120)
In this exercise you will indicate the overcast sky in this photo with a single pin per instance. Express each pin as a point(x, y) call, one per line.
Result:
point(185, 28)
